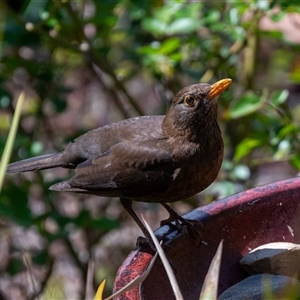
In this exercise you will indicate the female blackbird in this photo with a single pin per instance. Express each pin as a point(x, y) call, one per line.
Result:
point(150, 158)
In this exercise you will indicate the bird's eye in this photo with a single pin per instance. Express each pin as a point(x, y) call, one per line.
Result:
point(189, 100)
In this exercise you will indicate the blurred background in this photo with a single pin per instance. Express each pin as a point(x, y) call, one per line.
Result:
point(83, 64)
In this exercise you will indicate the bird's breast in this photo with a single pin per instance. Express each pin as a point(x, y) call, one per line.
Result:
point(199, 167)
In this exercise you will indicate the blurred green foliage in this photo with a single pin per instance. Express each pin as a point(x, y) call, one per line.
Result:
point(83, 64)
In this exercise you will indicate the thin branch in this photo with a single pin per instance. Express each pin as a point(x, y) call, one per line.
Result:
point(100, 61)
point(112, 94)
point(44, 282)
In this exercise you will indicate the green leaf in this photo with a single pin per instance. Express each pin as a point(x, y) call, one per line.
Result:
point(262, 5)
point(279, 97)
point(247, 104)
point(276, 34)
point(295, 74)
point(211, 282)
point(212, 17)
point(184, 25)
point(234, 16)
point(287, 130)
point(278, 17)
point(10, 139)
point(105, 224)
point(154, 26)
point(245, 147)
point(169, 46)
point(295, 161)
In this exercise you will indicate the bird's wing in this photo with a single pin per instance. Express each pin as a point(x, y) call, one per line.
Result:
point(129, 169)
point(98, 142)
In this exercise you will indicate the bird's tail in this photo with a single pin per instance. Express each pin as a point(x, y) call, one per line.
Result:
point(36, 163)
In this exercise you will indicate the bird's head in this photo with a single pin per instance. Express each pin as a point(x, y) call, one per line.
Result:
point(195, 107)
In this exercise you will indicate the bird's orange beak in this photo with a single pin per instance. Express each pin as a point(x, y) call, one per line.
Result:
point(219, 87)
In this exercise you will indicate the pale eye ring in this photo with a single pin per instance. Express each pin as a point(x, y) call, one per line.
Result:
point(189, 100)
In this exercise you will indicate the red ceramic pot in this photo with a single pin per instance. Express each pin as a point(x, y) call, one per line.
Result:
point(265, 214)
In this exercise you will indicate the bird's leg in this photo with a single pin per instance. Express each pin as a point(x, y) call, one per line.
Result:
point(174, 216)
point(127, 204)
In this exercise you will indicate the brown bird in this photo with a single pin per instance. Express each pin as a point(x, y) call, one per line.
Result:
point(150, 158)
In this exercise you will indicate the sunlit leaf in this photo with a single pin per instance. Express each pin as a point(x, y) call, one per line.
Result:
point(276, 34)
point(169, 45)
point(245, 147)
point(234, 16)
point(263, 5)
point(212, 17)
point(54, 289)
point(211, 281)
point(10, 139)
point(287, 130)
point(99, 293)
point(279, 97)
point(246, 105)
point(295, 74)
point(184, 25)
point(155, 26)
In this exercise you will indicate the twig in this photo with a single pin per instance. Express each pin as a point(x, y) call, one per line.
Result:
point(44, 282)
point(99, 61)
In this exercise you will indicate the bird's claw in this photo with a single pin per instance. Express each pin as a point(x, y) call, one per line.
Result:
point(193, 226)
point(145, 243)
point(193, 229)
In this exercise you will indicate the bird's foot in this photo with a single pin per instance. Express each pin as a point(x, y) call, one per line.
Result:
point(170, 220)
point(146, 243)
point(193, 226)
